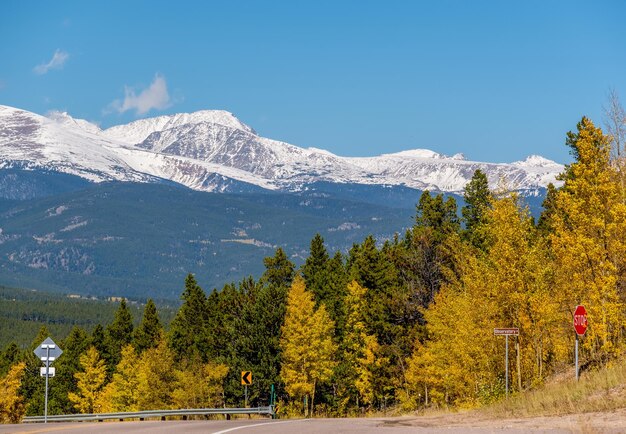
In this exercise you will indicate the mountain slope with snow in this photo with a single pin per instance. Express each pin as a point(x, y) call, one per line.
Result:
point(212, 150)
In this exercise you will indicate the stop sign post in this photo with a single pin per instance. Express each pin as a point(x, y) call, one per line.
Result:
point(580, 325)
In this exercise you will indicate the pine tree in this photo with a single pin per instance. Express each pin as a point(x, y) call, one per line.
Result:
point(336, 284)
point(279, 270)
point(373, 271)
point(90, 383)
point(477, 199)
point(438, 214)
point(549, 210)
point(306, 344)
point(314, 270)
point(118, 334)
point(148, 334)
point(9, 357)
point(98, 340)
point(188, 332)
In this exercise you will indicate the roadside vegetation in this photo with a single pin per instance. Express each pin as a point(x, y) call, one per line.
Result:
point(600, 390)
point(405, 323)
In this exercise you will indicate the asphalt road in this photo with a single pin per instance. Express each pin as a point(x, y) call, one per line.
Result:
point(304, 426)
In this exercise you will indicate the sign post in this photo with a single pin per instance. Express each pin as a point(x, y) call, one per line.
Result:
point(246, 380)
point(47, 352)
point(580, 325)
point(506, 333)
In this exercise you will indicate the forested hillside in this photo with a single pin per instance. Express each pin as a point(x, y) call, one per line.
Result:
point(23, 312)
point(408, 322)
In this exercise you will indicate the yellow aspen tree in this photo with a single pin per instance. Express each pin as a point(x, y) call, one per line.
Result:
point(589, 241)
point(12, 407)
point(122, 393)
point(90, 383)
point(200, 386)
point(157, 377)
point(306, 344)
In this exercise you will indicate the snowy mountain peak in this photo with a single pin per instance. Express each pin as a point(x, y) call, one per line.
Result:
point(416, 153)
point(536, 161)
point(138, 131)
point(65, 119)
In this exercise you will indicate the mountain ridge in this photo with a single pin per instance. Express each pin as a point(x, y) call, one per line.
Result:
point(209, 150)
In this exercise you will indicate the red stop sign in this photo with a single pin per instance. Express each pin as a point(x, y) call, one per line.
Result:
point(580, 320)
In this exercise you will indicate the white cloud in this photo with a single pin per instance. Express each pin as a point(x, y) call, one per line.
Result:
point(154, 97)
point(58, 60)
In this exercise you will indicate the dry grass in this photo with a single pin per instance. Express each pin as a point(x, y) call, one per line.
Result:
point(597, 391)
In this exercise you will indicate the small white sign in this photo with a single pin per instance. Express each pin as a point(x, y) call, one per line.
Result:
point(51, 371)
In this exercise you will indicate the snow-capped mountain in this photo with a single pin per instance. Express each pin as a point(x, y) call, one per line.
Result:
point(211, 149)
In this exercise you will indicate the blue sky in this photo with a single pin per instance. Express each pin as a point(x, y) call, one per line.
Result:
point(495, 80)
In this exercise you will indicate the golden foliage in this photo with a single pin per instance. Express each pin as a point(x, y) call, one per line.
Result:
point(122, 393)
point(589, 241)
point(306, 343)
point(12, 406)
point(200, 386)
point(90, 383)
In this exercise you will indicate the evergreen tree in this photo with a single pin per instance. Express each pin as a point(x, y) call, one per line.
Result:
point(10, 356)
point(307, 345)
point(549, 210)
point(370, 269)
point(438, 214)
point(118, 334)
point(188, 332)
point(314, 270)
point(148, 334)
point(279, 270)
point(232, 335)
point(336, 284)
point(477, 199)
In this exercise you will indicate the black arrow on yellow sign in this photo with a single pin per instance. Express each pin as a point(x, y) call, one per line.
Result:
point(246, 378)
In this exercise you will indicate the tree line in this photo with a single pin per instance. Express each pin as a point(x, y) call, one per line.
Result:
point(407, 322)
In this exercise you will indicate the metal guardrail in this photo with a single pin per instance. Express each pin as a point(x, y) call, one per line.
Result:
point(150, 414)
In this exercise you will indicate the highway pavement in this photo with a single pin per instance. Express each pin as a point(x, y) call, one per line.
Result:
point(406, 425)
